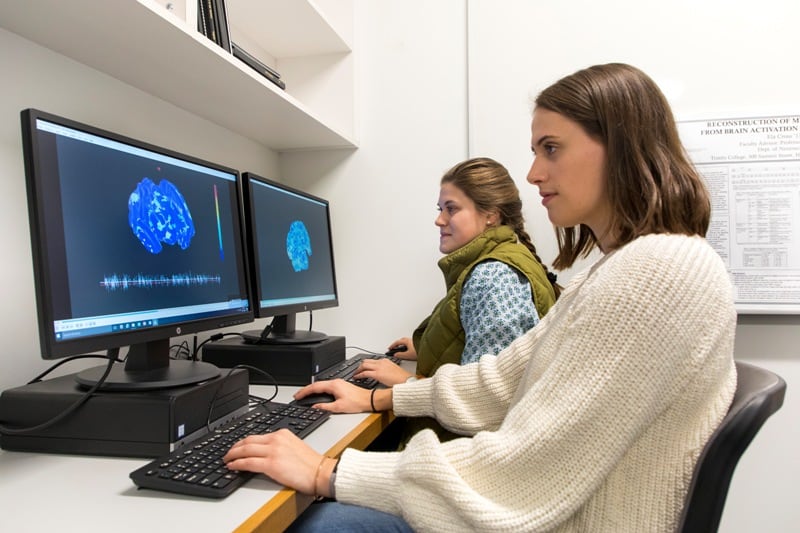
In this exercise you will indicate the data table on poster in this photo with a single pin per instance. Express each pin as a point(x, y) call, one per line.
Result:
point(752, 168)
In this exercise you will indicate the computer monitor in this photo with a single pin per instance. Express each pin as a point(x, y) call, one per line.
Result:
point(291, 258)
point(132, 244)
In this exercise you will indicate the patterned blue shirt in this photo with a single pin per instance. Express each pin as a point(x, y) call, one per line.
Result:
point(496, 308)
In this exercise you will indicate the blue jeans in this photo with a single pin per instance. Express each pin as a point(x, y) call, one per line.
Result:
point(341, 517)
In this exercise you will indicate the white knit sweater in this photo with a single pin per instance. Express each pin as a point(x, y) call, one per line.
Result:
point(592, 421)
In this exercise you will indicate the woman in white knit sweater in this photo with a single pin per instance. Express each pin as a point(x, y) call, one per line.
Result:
point(593, 420)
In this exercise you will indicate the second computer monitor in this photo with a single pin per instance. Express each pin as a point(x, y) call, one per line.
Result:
point(291, 258)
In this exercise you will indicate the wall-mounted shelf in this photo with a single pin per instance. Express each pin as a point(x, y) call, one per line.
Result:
point(142, 44)
point(286, 28)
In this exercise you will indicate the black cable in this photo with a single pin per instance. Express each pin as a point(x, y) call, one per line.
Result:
point(256, 400)
point(310, 319)
point(363, 350)
point(182, 347)
point(228, 375)
point(214, 337)
point(267, 330)
point(67, 360)
point(112, 358)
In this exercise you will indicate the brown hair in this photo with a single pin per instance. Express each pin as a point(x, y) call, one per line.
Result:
point(651, 184)
point(489, 185)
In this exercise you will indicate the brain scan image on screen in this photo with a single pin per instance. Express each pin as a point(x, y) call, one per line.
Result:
point(158, 214)
point(298, 246)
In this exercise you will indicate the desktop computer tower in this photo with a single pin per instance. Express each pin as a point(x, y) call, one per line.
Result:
point(125, 424)
point(288, 364)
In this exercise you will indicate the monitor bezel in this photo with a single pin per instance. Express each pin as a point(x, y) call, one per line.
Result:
point(35, 182)
point(254, 260)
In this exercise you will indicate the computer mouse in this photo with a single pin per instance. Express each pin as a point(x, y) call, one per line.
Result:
point(315, 398)
point(398, 348)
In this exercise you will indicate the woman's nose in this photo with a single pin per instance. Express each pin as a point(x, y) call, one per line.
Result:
point(534, 174)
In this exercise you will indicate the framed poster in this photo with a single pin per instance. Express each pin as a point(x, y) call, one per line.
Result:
point(752, 168)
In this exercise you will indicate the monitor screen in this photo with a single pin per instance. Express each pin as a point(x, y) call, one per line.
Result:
point(132, 244)
point(291, 254)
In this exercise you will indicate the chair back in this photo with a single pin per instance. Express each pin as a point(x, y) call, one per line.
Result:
point(759, 394)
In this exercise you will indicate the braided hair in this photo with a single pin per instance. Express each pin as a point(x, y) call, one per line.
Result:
point(489, 185)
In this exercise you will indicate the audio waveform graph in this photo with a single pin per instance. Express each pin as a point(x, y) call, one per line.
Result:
point(126, 282)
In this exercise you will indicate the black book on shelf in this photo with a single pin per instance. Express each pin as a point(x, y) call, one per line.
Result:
point(241, 53)
point(205, 19)
point(223, 30)
point(257, 65)
point(212, 21)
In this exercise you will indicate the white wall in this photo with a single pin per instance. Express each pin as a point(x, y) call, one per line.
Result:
point(411, 90)
point(413, 98)
point(712, 58)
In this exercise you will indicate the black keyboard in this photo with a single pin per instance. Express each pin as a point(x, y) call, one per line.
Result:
point(196, 469)
point(347, 368)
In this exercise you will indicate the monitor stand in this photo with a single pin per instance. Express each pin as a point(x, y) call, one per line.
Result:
point(148, 367)
point(282, 330)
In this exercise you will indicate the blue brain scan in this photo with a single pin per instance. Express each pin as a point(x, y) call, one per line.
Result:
point(158, 214)
point(298, 246)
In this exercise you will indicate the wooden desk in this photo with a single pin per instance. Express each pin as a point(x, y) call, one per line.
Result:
point(52, 492)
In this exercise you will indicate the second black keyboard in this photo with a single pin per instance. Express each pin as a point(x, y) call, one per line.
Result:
point(197, 469)
point(347, 368)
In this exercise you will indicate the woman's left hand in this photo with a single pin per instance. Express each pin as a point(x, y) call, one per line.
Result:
point(382, 370)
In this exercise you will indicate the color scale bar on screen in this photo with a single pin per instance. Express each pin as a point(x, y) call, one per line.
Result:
point(219, 226)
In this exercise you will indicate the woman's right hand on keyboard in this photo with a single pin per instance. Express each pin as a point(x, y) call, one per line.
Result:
point(382, 370)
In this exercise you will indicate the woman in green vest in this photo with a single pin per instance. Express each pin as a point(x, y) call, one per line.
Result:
point(497, 287)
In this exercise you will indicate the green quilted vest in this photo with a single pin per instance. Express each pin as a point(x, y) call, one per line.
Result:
point(440, 339)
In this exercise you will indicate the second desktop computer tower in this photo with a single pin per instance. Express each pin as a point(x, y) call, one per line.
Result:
point(288, 364)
